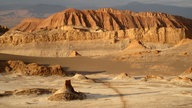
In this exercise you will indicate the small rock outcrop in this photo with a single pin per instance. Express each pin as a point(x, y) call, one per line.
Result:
point(183, 42)
point(33, 91)
point(80, 77)
point(29, 91)
point(3, 29)
point(153, 77)
point(6, 93)
point(135, 45)
point(123, 76)
point(182, 81)
point(187, 73)
point(3, 65)
point(67, 93)
point(33, 69)
point(74, 54)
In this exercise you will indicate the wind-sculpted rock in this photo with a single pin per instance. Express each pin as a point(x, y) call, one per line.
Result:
point(67, 93)
point(33, 69)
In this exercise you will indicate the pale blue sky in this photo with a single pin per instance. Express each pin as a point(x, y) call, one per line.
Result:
point(98, 3)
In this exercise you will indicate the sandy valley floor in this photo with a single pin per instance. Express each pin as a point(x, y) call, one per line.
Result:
point(105, 92)
point(105, 88)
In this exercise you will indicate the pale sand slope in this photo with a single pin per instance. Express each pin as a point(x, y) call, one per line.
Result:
point(108, 94)
point(63, 48)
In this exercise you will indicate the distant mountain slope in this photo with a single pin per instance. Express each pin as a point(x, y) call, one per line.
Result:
point(10, 15)
point(174, 10)
point(40, 10)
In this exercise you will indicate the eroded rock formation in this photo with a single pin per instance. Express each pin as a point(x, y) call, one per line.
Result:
point(29, 91)
point(67, 93)
point(106, 18)
point(163, 35)
point(106, 23)
point(187, 73)
point(74, 54)
point(33, 91)
point(181, 81)
point(33, 69)
point(123, 76)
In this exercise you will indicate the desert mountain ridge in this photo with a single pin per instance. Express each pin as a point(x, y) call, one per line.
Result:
point(105, 23)
point(39, 10)
point(106, 18)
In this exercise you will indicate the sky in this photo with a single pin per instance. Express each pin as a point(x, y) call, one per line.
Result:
point(98, 3)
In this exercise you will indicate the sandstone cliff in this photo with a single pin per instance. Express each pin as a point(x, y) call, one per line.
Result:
point(162, 35)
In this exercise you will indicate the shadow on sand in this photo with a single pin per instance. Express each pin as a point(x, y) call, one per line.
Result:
point(97, 96)
point(73, 72)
